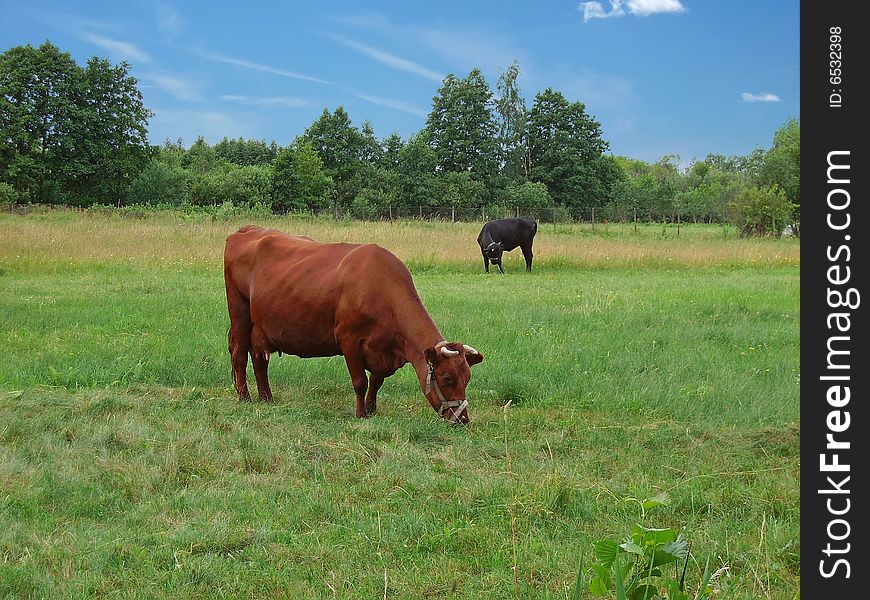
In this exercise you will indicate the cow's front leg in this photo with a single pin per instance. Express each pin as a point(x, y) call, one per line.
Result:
point(500, 270)
point(260, 359)
point(485, 264)
point(357, 370)
point(375, 383)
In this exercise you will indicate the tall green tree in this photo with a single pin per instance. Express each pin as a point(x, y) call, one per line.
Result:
point(512, 125)
point(781, 166)
point(39, 90)
point(417, 168)
point(343, 148)
point(69, 134)
point(299, 181)
point(246, 152)
point(110, 132)
point(462, 129)
point(566, 152)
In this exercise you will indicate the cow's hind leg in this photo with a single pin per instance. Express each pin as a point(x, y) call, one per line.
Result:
point(239, 340)
point(260, 360)
point(375, 382)
point(238, 343)
point(527, 254)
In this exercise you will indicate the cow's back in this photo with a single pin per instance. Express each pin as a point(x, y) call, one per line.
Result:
point(512, 232)
point(302, 293)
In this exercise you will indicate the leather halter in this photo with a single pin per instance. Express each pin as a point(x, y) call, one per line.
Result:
point(457, 405)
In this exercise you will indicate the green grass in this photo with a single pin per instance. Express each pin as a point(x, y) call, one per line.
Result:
point(128, 469)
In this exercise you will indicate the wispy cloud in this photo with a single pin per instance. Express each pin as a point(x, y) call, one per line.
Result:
point(247, 64)
point(464, 47)
point(391, 60)
point(763, 97)
point(169, 20)
point(180, 88)
point(394, 104)
point(117, 48)
point(639, 8)
point(277, 101)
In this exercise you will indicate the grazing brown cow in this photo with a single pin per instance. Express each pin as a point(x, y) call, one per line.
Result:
point(293, 295)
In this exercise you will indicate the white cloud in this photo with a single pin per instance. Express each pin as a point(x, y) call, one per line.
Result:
point(465, 48)
point(763, 97)
point(394, 104)
point(640, 8)
point(391, 60)
point(278, 101)
point(182, 89)
point(117, 48)
point(246, 64)
point(168, 19)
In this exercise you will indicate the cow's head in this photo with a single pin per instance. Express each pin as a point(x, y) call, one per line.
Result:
point(449, 371)
point(493, 252)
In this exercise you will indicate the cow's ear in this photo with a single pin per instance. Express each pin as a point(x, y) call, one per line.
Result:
point(473, 359)
point(431, 355)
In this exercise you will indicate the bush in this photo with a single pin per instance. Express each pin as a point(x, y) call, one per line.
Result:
point(529, 195)
point(761, 211)
point(160, 183)
point(8, 195)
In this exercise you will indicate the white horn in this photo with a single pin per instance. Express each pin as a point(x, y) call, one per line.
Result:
point(448, 352)
point(470, 349)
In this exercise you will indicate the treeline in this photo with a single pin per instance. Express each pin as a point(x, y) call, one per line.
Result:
point(73, 135)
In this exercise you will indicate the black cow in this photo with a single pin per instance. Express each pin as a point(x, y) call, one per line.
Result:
point(503, 235)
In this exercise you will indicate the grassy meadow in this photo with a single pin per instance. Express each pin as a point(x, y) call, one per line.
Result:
point(633, 363)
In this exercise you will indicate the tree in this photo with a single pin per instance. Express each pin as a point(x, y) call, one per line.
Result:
point(246, 152)
point(200, 157)
point(110, 134)
point(391, 148)
point(299, 181)
point(69, 134)
point(529, 195)
point(160, 183)
point(761, 211)
point(416, 168)
point(38, 91)
point(342, 148)
point(462, 129)
point(512, 125)
point(565, 152)
point(782, 166)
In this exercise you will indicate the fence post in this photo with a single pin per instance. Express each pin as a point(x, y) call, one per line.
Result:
point(678, 224)
point(391, 212)
point(593, 218)
point(452, 214)
point(421, 212)
point(483, 212)
point(518, 211)
point(635, 219)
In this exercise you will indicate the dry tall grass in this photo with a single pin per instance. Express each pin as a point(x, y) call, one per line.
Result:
point(76, 238)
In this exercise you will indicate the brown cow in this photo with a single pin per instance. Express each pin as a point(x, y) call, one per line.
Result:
point(294, 295)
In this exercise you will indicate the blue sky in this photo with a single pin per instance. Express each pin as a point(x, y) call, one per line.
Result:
point(687, 77)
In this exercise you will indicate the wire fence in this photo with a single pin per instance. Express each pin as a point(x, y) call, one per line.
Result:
point(593, 217)
point(550, 214)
